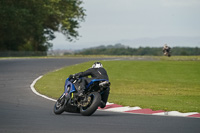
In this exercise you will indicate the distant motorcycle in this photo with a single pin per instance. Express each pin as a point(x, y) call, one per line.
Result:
point(87, 104)
point(167, 52)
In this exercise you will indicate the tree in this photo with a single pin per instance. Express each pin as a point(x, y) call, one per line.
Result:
point(30, 24)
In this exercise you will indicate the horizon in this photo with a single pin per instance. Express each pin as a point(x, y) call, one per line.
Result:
point(126, 46)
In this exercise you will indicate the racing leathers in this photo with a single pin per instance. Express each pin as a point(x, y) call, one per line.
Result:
point(95, 73)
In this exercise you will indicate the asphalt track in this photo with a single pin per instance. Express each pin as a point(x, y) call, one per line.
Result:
point(21, 111)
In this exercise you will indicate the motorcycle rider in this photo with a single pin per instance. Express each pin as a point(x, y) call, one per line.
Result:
point(96, 72)
point(166, 49)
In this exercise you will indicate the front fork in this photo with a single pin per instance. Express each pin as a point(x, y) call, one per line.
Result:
point(60, 101)
point(63, 96)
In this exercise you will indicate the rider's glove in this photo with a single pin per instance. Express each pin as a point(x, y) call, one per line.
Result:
point(71, 76)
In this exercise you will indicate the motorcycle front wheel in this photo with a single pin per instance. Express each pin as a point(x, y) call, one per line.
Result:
point(59, 106)
point(95, 101)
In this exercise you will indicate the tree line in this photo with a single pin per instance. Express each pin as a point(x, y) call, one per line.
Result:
point(29, 25)
point(119, 49)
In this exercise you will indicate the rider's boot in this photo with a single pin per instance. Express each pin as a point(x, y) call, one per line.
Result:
point(103, 104)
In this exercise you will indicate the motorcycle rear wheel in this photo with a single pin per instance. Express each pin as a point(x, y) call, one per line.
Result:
point(93, 105)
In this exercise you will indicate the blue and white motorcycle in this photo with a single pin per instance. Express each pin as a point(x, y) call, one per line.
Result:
point(87, 104)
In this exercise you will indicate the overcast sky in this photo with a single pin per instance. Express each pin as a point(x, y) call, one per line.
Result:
point(137, 23)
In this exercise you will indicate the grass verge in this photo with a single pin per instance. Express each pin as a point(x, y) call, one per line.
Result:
point(159, 85)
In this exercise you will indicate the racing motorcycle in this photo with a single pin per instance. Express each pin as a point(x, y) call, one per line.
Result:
point(86, 104)
point(167, 53)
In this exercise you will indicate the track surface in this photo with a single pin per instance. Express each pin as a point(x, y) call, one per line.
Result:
point(23, 111)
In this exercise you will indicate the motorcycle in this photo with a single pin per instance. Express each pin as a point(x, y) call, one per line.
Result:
point(167, 53)
point(88, 103)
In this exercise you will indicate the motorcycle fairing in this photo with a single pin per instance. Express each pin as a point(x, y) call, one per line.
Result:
point(70, 85)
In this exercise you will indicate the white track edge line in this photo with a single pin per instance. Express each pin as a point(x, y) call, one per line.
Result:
point(34, 91)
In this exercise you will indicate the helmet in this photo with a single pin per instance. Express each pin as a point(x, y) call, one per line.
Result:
point(97, 65)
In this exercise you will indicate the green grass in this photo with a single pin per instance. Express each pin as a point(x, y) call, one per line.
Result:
point(159, 85)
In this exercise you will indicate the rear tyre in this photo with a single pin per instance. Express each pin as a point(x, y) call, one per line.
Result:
point(93, 105)
point(59, 106)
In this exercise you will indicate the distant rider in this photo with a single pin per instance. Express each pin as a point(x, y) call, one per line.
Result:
point(166, 50)
point(96, 72)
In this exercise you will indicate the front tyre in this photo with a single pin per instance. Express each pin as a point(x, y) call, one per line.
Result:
point(59, 106)
point(95, 101)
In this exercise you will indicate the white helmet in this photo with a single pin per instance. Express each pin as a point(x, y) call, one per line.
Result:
point(165, 45)
point(97, 65)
